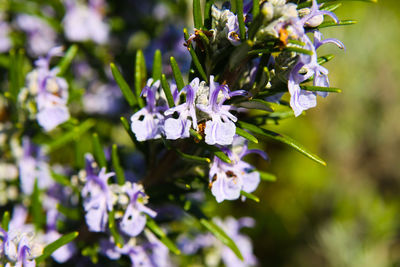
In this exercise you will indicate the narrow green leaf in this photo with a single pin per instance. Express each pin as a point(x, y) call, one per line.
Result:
point(218, 153)
point(265, 176)
point(157, 65)
point(331, 7)
point(207, 14)
point(50, 248)
point(324, 59)
point(246, 135)
point(256, 8)
point(170, 245)
point(222, 236)
point(240, 16)
point(320, 89)
point(98, 151)
point(37, 213)
point(195, 59)
point(123, 85)
point(5, 221)
point(340, 23)
point(127, 127)
point(177, 74)
point(197, 18)
point(192, 158)
point(153, 227)
point(298, 50)
point(281, 138)
point(119, 171)
point(167, 91)
point(65, 62)
point(140, 76)
point(16, 81)
point(151, 224)
point(70, 136)
point(119, 241)
point(257, 104)
point(249, 196)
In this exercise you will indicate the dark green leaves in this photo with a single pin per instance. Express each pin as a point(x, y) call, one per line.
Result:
point(36, 207)
point(67, 59)
point(246, 135)
point(281, 138)
point(119, 241)
point(157, 65)
point(140, 76)
point(195, 59)
point(119, 171)
point(240, 16)
point(167, 91)
point(50, 248)
point(151, 224)
point(98, 151)
point(177, 74)
point(197, 18)
point(123, 85)
point(222, 236)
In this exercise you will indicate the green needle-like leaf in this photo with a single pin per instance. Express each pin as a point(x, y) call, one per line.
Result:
point(192, 158)
point(265, 176)
point(98, 151)
point(70, 213)
point(37, 207)
point(123, 85)
point(323, 59)
point(5, 221)
point(140, 76)
point(320, 89)
point(195, 134)
point(207, 14)
point(240, 16)
point(50, 248)
point(177, 74)
point(222, 236)
point(197, 18)
point(167, 91)
point(61, 179)
point(157, 65)
point(195, 59)
point(218, 153)
point(67, 59)
point(298, 50)
point(119, 241)
point(256, 8)
point(119, 171)
point(340, 23)
point(281, 138)
point(153, 227)
point(257, 104)
point(246, 135)
point(249, 196)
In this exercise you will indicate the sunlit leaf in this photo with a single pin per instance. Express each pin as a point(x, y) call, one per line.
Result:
point(157, 65)
point(5, 221)
point(177, 74)
point(197, 18)
point(140, 76)
point(249, 196)
point(123, 85)
point(167, 91)
point(246, 135)
point(98, 151)
point(50, 248)
point(66, 61)
point(119, 171)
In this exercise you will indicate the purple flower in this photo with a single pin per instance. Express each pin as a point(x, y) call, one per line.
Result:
point(225, 23)
point(18, 246)
point(134, 219)
point(33, 165)
point(97, 196)
point(221, 128)
point(83, 23)
point(179, 127)
point(227, 180)
point(50, 92)
point(41, 37)
point(147, 123)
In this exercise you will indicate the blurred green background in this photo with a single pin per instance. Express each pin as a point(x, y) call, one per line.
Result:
point(345, 214)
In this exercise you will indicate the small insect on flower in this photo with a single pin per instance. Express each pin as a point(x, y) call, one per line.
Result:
point(196, 36)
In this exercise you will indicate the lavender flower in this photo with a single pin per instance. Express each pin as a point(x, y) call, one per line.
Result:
point(41, 37)
point(179, 127)
point(147, 123)
point(83, 23)
point(221, 128)
point(134, 219)
point(227, 180)
point(49, 91)
point(97, 197)
point(225, 25)
point(19, 246)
